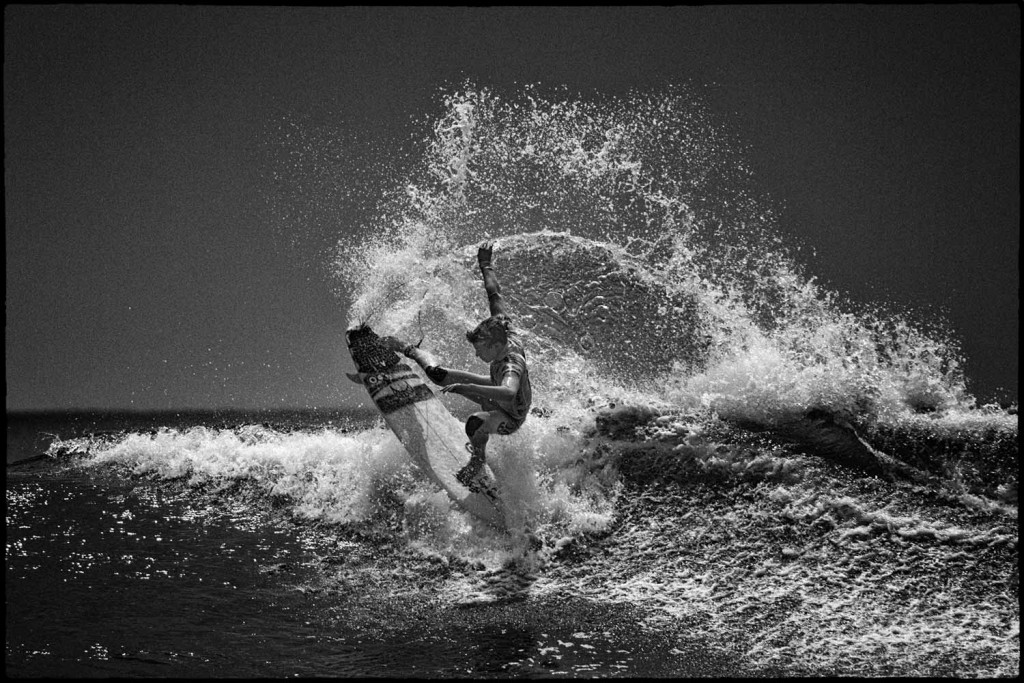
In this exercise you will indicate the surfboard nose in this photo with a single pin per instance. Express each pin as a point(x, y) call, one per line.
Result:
point(353, 333)
point(370, 352)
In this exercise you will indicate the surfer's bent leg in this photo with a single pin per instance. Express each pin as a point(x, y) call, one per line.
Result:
point(479, 428)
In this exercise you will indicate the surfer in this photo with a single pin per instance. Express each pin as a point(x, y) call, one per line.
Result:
point(504, 395)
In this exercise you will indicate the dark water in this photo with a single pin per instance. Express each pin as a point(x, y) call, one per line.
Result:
point(114, 576)
point(281, 545)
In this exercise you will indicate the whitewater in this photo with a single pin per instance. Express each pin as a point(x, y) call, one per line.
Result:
point(723, 456)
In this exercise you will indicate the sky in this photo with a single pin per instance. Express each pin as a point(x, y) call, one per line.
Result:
point(146, 268)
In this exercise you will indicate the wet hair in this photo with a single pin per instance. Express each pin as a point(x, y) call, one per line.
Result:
point(493, 330)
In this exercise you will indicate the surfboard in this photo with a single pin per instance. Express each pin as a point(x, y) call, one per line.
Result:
point(435, 439)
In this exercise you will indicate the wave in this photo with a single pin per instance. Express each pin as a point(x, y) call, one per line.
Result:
point(771, 455)
point(635, 256)
point(701, 524)
point(718, 438)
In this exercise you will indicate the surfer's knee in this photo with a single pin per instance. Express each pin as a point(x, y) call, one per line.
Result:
point(474, 423)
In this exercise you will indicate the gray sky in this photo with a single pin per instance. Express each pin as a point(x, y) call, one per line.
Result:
point(146, 269)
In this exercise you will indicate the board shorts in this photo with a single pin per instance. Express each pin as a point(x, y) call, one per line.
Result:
point(508, 424)
point(503, 423)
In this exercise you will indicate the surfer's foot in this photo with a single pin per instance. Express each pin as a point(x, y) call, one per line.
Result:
point(468, 474)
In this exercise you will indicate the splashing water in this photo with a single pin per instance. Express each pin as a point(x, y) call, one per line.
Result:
point(641, 267)
point(635, 255)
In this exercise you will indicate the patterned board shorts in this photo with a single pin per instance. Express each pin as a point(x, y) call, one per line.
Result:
point(509, 424)
point(506, 423)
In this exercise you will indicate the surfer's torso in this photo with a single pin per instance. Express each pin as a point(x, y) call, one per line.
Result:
point(514, 363)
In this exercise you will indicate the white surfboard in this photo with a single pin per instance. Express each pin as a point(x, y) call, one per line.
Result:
point(435, 439)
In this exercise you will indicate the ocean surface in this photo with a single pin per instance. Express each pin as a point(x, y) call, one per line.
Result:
point(281, 545)
point(733, 471)
point(112, 572)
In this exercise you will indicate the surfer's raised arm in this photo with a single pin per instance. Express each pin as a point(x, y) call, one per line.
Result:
point(494, 300)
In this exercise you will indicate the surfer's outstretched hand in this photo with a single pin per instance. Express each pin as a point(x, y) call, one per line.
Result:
point(483, 254)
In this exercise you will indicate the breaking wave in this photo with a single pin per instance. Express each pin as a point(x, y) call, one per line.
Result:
point(674, 343)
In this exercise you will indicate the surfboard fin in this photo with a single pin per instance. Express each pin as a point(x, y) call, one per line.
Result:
point(355, 377)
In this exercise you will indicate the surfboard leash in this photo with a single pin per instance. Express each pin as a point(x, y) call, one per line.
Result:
point(419, 321)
